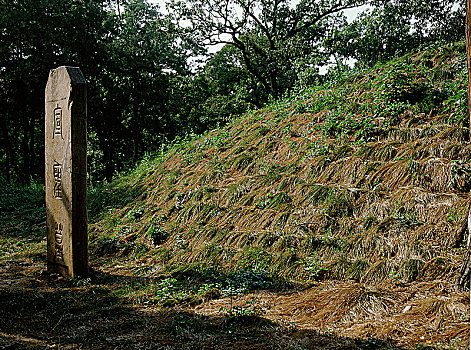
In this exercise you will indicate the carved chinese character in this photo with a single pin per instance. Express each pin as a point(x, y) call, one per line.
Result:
point(65, 157)
point(57, 169)
point(59, 229)
point(57, 122)
point(58, 243)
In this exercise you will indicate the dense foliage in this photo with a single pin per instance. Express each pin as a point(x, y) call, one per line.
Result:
point(395, 28)
point(128, 55)
point(144, 86)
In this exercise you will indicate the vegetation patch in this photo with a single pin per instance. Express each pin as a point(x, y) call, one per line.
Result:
point(326, 212)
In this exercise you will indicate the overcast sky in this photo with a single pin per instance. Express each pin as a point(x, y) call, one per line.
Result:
point(351, 14)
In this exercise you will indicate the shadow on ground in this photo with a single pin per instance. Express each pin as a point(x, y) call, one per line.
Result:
point(39, 311)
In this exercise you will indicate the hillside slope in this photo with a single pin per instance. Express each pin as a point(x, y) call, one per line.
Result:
point(357, 187)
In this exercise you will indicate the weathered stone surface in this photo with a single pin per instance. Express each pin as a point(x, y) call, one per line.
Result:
point(66, 172)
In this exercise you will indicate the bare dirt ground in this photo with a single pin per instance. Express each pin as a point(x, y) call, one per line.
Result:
point(109, 309)
point(40, 311)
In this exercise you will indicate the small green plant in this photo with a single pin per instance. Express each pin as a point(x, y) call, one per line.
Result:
point(21, 198)
point(135, 214)
point(156, 233)
point(250, 308)
point(209, 291)
point(406, 220)
point(107, 244)
point(273, 173)
point(319, 148)
point(460, 176)
point(248, 279)
point(313, 265)
point(454, 214)
point(167, 290)
point(263, 130)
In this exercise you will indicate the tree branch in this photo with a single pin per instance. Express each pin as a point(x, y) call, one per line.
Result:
point(241, 46)
point(297, 29)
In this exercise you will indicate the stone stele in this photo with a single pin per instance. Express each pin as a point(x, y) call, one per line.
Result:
point(66, 172)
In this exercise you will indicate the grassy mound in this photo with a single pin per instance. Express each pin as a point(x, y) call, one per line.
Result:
point(363, 178)
point(325, 220)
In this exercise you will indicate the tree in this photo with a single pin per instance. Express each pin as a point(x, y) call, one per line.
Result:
point(222, 88)
point(268, 34)
point(36, 36)
point(396, 27)
point(128, 59)
point(130, 109)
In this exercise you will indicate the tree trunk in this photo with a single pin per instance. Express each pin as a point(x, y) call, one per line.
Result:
point(24, 147)
point(274, 85)
point(7, 145)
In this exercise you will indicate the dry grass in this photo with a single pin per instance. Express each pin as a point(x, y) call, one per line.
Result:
point(374, 202)
point(392, 312)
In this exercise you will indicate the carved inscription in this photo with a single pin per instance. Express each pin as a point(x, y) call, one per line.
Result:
point(58, 243)
point(65, 172)
point(57, 122)
point(57, 169)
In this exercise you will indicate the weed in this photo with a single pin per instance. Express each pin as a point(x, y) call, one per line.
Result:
point(267, 201)
point(234, 290)
point(278, 200)
point(460, 176)
point(422, 346)
point(409, 270)
point(210, 189)
point(406, 220)
point(263, 130)
point(249, 279)
point(273, 174)
point(135, 214)
point(14, 198)
point(107, 245)
point(250, 308)
point(166, 292)
point(456, 103)
point(314, 267)
point(319, 148)
point(243, 161)
point(357, 269)
point(208, 291)
point(370, 222)
point(254, 257)
point(454, 215)
point(156, 233)
point(336, 202)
